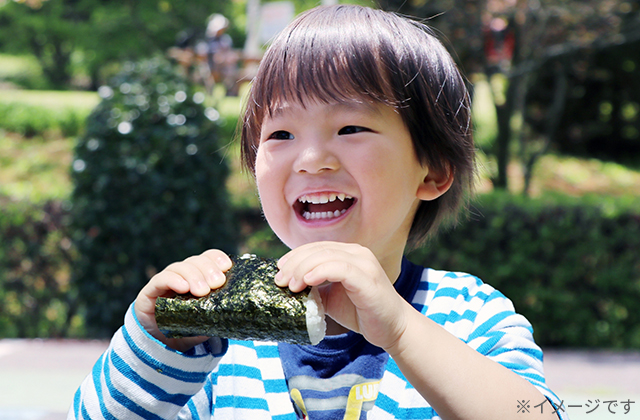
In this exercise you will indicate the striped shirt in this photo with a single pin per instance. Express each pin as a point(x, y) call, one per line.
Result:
point(140, 378)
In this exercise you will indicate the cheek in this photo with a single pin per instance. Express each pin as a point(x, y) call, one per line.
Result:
point(268, 182)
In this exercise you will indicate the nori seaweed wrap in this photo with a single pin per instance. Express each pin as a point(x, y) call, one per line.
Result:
point(249, 306)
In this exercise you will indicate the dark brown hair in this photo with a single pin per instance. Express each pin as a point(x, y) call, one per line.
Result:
point(346, 52)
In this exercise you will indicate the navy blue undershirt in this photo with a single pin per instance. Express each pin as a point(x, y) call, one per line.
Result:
point(323, 375)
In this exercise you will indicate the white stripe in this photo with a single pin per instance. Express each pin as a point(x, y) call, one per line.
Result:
point(241, 386)
point(228, 413)
point(279, 403)
point(89, 399)
point(271, 368)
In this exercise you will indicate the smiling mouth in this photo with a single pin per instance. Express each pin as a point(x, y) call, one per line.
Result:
point(323, 206)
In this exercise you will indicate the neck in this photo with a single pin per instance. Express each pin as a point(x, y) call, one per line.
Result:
point(333, 328)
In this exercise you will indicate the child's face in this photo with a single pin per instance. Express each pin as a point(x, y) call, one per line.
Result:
point(339, 172)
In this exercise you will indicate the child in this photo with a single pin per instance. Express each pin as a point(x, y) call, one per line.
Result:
point(357, 130)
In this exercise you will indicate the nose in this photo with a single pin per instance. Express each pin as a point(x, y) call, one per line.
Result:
point(316, 156)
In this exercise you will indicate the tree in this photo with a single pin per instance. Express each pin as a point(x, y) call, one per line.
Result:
point(515, 41)
point(97, 33)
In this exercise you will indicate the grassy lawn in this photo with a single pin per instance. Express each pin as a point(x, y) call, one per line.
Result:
point(35, 169)
point(20, 69)
point(54, 101)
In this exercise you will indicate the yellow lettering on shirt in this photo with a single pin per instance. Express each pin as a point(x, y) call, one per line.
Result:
point(358, 395)
point(296, 396)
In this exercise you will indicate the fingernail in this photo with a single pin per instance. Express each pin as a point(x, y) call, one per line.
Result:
point(279, 279)
point(223, 262)
point(219, 277)
point(203, 286)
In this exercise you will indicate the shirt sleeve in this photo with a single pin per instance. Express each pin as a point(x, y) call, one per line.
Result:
point(486, 320)
point(138, 377)
point(507, 338)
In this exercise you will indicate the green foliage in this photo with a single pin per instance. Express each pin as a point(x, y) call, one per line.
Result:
point(35, 260)
point(571, 270)
point(85, 36)
point(30, 120)
point(149, 188)
point(22, 70)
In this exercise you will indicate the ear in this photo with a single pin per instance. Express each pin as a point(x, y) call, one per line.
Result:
point(435, 184)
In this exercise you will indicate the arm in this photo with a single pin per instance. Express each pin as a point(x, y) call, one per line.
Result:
point(145, 375)
point(462, 384)
point(458, 381)
point(140, 377)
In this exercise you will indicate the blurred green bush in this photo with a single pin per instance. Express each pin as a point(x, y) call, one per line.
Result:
point(149, 188)
point(29, 120)
point(571, 269)
point(35, 261)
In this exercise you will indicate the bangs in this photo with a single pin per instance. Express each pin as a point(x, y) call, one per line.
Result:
point(326, 58)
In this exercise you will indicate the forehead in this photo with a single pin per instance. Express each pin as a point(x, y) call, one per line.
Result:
point(363, 105)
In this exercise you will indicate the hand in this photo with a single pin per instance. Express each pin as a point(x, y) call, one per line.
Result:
point(358, 294)
point(197, 275)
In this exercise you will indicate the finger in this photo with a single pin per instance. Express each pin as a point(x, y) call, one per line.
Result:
point(163, 284)
point(303, 260)
point(221, 259)
point(209, 264)
point(190, 272)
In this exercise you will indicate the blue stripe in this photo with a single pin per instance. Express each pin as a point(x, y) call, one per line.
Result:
point(456, 276)
point(453, 317)
point(275, 386)
point(531, 352)
point(290, 416)
point(157, 392)
point(182, 375)
point(124, 400)
point(492, 339)
point(76, 403)
point(482, 329)
point(208, 388)
point(386, 403)
point(464, 292)
point(416, 413)
point(95, 373)
point(85, 414)
point(193, 410)
point(239, 370)
point(267, 352)
point(230, 401)
point(339, 392)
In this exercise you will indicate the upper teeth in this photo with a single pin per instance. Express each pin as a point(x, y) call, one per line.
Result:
point(323, 198)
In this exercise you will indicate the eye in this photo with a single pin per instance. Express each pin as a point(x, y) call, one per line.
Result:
point(352, 129)
point(281, 135)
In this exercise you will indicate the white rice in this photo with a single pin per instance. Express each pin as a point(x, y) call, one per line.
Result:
point(316, 325)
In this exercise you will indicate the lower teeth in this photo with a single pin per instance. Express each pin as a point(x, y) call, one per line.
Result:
point(323, 215)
